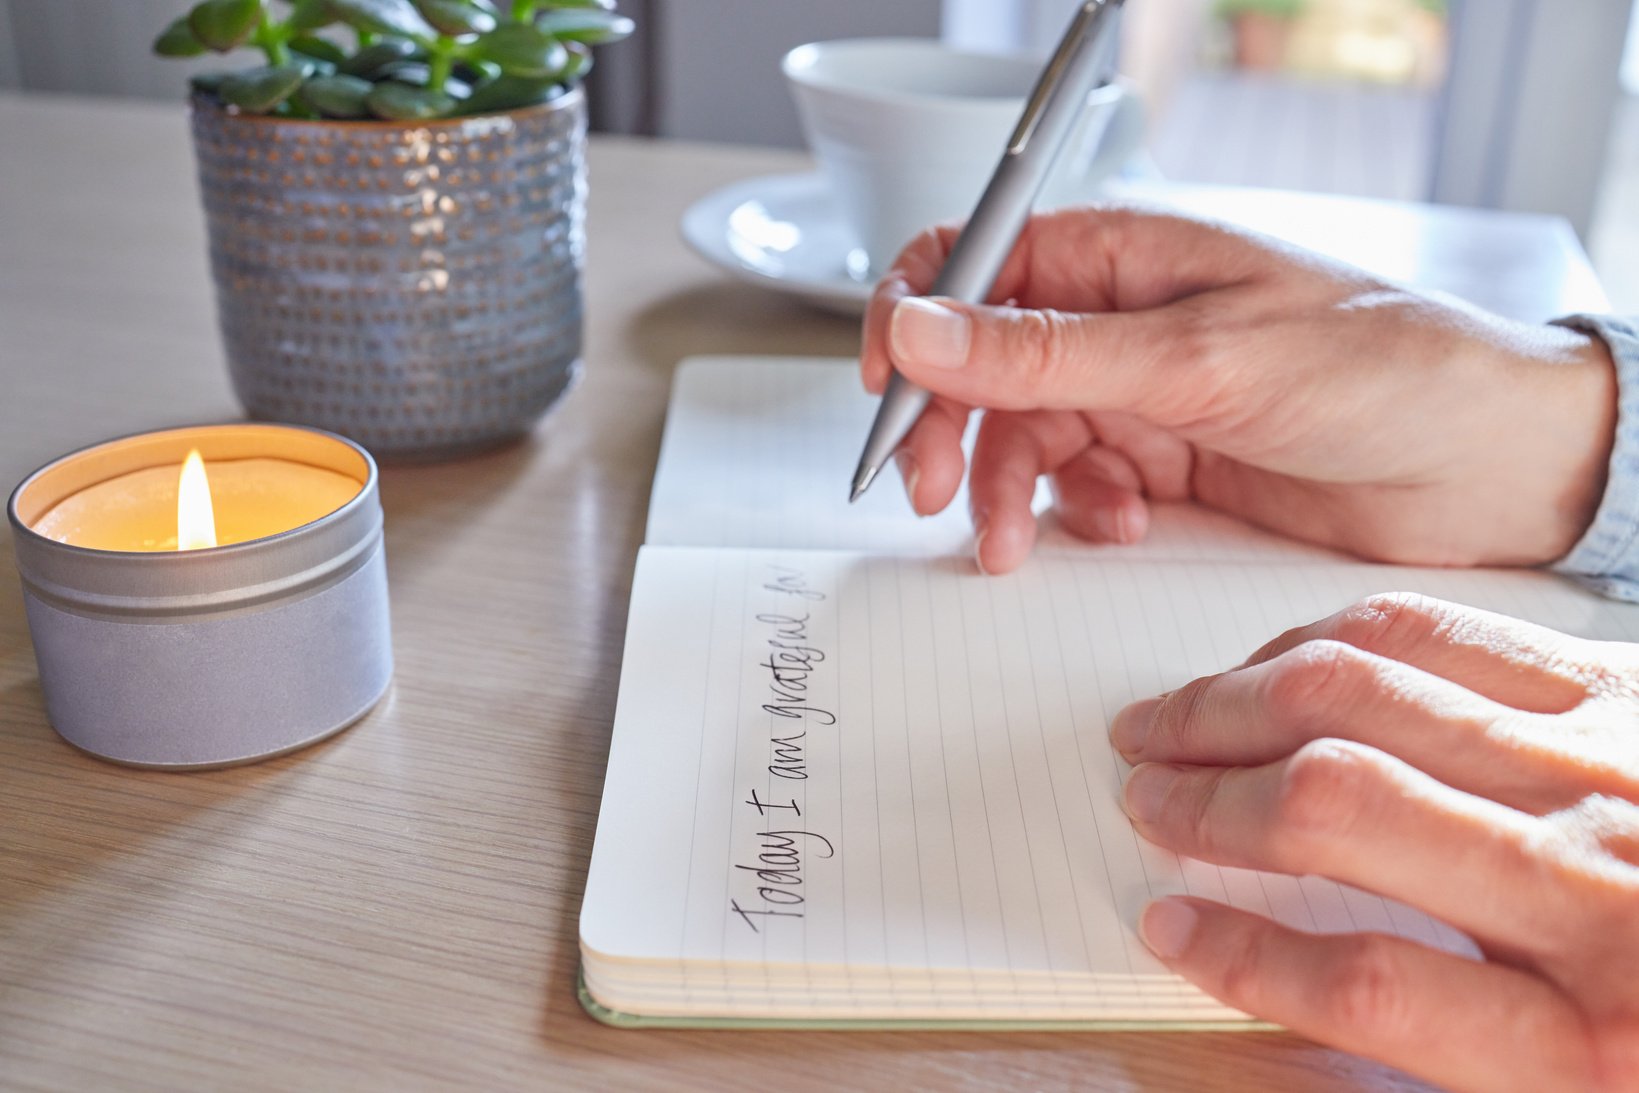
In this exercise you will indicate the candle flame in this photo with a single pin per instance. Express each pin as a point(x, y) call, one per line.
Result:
point(195, 519)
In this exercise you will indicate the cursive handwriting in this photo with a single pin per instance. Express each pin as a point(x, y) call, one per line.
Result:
point(791, 665)
point(790, 662)
point(791, 582)
point(779, 870)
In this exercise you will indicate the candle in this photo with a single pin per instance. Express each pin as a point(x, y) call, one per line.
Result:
point(250, 498)
point(260, 628)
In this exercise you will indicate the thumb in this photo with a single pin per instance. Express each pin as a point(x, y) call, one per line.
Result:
point(1009, 358)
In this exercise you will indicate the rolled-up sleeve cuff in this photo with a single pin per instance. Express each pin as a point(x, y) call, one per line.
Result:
point(1607, 556)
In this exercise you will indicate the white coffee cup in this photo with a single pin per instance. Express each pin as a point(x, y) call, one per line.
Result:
point(908, 131)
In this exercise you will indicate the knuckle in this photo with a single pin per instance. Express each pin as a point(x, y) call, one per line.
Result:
point(1199, 815)
point(1196, 342)
point(1325, 789)
point(1042, 346)
point(1601, 824)
point(1245, 968)
point(1608, 669)
point(1180, 713)
point(1366, 990)
point(1390, 621)
point(1313, 677)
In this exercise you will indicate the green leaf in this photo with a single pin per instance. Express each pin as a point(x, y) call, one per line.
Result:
point(311, 15)
point(395, 17)
point(522, 50)
point(207, 83)
point(258, 90)
point(457, 18)
point(603, 5)
point(418, 74)
point(337, 96)
point(580, 63)
point(320, 49)
point(510, 93)
point(370, 60)
point(401, 102)
point(177, 40)
point(588, 25)
point(476, 72)
point(224, 24)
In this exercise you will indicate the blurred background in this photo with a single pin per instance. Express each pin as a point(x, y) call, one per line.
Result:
point(1530, 105)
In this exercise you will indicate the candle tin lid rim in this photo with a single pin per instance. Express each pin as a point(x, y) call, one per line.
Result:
point(368, 486)
point(274, 568)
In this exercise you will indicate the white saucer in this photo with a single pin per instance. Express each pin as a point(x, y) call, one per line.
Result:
point(782, 232)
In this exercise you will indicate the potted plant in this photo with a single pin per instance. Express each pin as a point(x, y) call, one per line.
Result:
point(395, 204)
point(1261, 29)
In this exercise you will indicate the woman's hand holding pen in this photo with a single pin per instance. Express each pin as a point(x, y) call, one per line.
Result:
point(1146, 357)
point(1479, 768)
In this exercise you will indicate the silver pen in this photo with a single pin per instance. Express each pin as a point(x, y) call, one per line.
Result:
point(1059, 97)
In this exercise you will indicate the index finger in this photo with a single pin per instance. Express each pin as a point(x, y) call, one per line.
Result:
point(912, 274)
point(1078, 262)
point(1362, 817)
point(1508, 660)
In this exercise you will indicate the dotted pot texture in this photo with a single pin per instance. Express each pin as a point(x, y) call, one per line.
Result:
point(414, 286)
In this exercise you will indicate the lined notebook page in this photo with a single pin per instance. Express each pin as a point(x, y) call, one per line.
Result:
point(913, 808)
point(758, 452)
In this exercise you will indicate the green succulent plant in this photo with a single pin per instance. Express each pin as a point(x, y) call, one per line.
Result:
point(410, 60)
point(1279, 9)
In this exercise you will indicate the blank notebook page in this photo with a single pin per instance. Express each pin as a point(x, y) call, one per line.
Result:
point(856, 786)
point(759, 452)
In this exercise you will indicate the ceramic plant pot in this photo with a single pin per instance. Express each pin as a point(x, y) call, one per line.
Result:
point(414, 286)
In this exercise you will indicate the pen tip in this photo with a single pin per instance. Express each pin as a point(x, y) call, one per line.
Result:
point(862, 481)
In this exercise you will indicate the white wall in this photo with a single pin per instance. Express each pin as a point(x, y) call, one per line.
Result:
point(1630, 54)
point(1527, 110)
point(98, 47)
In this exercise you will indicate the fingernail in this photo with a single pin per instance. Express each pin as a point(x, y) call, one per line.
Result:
point(909, 472)
point(1166, 926)
point(1146, 791)
point(981, 528)
point(1131, 726)
point(929, 333)
point(1107, 522)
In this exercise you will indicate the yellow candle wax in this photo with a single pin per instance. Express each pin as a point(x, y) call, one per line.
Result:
point(253, 498)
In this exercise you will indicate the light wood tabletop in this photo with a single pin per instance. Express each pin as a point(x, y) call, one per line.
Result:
point(396, 908)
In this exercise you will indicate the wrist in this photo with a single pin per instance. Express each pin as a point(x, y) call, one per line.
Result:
point(1543, 424)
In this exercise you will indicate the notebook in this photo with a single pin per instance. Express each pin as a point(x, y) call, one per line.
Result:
point(854, 782)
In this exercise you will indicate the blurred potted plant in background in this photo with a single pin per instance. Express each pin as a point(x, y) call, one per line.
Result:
point(1260, 29)
point(395, 203)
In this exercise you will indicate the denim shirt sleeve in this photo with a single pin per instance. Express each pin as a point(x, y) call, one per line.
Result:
point(1607, 556)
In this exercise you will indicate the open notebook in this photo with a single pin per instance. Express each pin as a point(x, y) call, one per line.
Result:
point(852, 780)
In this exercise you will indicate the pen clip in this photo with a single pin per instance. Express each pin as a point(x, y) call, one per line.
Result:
point(1074, 38)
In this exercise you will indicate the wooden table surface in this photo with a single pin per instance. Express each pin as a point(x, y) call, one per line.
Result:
point(396, 908)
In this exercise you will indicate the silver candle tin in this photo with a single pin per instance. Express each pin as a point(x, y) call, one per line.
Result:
point(206, 658)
